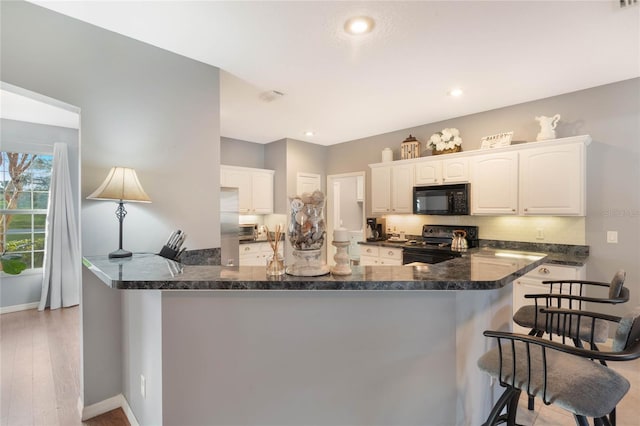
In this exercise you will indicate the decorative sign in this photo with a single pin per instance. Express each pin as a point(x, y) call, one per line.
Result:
point(496, 141)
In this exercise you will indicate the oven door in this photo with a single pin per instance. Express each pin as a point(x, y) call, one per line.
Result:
point(424, 256)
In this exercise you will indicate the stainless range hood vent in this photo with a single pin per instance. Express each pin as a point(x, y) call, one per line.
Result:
point(625, 3)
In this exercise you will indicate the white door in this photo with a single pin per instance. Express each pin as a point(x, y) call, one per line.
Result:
point(308, 182)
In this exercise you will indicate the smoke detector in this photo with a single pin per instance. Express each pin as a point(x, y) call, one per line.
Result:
point(270, 96)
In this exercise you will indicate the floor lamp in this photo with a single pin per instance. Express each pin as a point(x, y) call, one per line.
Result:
point(121, 185)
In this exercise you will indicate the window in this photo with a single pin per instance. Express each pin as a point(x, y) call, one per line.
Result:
point(24, 186)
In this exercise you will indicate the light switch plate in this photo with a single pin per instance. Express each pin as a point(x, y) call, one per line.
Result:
point(612, 237)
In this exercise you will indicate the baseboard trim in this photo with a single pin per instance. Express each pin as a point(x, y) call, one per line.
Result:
point(16, 308)
point(118, 401)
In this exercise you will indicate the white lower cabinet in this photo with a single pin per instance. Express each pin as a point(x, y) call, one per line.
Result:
point(256, 254)
point(378, 255)
point(531, 283)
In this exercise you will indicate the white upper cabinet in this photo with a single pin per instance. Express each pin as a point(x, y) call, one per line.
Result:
point(255, 188)
point(428, 172)
point(402, 189)
point(553, 180)
point(392, 189)
point(438, 172)
point(494, 189)
point(534, 179)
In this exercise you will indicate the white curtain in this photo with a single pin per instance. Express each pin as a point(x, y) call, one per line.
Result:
point(61, 281)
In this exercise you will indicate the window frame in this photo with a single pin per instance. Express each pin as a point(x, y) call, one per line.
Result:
point(31, 268)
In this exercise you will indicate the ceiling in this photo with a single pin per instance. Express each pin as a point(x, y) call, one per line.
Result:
point(345, 87)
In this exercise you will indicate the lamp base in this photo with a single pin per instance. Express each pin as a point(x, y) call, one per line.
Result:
point(119, 253)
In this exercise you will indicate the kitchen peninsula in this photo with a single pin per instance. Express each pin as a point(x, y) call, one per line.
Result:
point(385, 345)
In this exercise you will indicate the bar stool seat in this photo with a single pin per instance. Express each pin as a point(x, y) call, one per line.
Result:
point(578, 385)
point(561, 374)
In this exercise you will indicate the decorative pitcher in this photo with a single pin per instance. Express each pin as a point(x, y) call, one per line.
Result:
point(547, 127)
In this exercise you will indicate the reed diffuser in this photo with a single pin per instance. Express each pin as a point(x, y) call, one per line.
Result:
point(275, 262)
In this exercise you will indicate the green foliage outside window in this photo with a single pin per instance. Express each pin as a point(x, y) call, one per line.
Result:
point(24, 190)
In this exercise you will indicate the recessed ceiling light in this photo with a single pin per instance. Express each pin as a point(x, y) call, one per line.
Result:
point(455, 92)
point(359, 25)
point(309, 133)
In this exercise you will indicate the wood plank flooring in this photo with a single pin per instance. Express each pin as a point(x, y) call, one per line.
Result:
point(39, 370)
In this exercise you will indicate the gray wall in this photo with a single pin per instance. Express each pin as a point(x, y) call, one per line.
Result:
point(141, 107)
point(275, 158)
point(142, 334)
point(31, 137)
point(610, 114)
point(235, 152)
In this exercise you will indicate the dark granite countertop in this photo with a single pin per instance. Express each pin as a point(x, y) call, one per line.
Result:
point(477, 269)
point(558, 254)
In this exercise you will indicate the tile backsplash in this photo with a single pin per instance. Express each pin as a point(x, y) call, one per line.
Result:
point(554, 229)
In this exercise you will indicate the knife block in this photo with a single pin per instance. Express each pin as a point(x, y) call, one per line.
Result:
point(168, 253)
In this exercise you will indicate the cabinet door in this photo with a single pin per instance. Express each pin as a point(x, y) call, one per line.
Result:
point(495, 184)
point(455, 170)
point(262, 192)
point(381, 189)
point(368, 260)
point(552, 180)
point(241, 179)
point(428, 172)
point(523, 286)
point(402, 189)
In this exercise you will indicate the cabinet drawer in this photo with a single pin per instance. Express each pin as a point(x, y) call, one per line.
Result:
point(246, 249)
point(553, 272)
point(369, 251)
point(390, 253)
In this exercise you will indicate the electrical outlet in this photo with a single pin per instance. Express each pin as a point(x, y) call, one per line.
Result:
point(143, 386)
point(612, 237)
point(539, 233)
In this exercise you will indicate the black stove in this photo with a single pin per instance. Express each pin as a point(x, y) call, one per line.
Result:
point(435, 245)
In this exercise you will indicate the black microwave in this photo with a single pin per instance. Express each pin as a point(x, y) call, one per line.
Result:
point(441, 199)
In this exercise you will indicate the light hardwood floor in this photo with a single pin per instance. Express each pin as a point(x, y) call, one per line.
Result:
point(39, 370)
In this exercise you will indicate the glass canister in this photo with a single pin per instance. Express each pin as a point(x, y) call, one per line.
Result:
point(307, 233)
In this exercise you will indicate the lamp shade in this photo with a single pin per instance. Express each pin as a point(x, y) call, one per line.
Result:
point(121, 184)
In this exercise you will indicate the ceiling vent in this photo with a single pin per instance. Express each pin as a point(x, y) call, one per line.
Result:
point(625, 3)
point(270, 95)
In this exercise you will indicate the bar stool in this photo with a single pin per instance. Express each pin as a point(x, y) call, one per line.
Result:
point(570, 294)
point(562, 374)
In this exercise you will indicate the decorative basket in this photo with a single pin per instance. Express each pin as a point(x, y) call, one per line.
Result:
point(457, 148)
